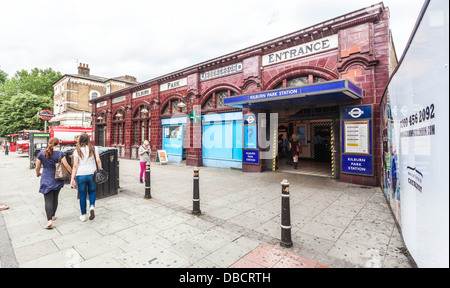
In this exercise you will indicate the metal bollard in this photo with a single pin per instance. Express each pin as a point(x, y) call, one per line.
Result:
point(196, 197)
point(147, 181)
point(286, 240)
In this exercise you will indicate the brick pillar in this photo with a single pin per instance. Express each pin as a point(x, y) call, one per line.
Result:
point(156, 131)
point(194, 152)
point(109, 120)
point(128, 128)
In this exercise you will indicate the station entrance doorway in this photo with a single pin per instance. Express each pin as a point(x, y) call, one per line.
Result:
point(317, 130)
point(310, 113)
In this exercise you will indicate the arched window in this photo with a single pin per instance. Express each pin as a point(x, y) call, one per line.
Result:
point(299, 81)
point(118, 127)
point(215, 101)
point(141, 125)
point(172, 107)
point(93, 94)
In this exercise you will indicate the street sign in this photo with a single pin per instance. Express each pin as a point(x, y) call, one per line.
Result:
point(46, 114)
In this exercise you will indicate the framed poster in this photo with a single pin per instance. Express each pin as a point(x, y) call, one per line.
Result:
point(162, 156)
point(356, 137)
point(301, 133)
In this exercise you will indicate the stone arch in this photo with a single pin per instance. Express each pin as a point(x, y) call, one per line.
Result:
point(298, 71)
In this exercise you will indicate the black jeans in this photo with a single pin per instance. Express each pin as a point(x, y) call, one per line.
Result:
point(51, 203)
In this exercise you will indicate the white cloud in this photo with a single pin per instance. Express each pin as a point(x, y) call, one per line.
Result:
point(147, 39)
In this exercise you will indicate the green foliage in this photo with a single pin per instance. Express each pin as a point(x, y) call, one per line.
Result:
point(3, 76)
point(20, 112)
point(23, 96)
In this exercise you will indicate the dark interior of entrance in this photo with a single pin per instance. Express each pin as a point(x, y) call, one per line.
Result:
point(314, 127)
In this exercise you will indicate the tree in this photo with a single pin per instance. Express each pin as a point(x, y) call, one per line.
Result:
point(23, 96)
point(3, 76)
point(20, 112)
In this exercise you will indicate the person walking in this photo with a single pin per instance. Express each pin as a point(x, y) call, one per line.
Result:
point(84, 157)
point(49, 186)
point(296, 149)
point(144, 157)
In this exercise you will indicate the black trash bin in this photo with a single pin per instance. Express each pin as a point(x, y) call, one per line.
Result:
point(110, 163)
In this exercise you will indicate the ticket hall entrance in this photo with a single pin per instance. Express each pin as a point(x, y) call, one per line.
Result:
point(312, 126)
point(309, 113)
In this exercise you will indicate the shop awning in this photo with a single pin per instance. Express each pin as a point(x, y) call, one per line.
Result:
point(336, 91)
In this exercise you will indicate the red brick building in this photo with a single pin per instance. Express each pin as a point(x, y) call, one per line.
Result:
point(324, 80)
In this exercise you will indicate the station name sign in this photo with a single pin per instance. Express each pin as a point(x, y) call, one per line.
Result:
point(227, 70)
point(174, 84)
point(142, 93)
point(306, 49)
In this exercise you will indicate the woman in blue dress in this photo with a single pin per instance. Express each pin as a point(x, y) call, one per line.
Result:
point(49, 185)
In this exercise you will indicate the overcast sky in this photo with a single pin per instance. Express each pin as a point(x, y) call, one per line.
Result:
point(147, 39)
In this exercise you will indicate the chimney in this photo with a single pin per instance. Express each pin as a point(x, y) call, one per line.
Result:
point(130, 78)
point(83, 70)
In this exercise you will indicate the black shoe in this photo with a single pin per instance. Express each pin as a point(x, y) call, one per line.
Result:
point(92, 214)
point(140, 180)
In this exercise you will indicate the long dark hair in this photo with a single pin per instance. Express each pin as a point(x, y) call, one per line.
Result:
point(85, 140)
point(52, 143)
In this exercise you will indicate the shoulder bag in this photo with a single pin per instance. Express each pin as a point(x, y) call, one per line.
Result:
point(100, 175)
point(61, 172)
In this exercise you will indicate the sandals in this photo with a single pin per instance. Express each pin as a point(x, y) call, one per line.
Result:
point(49, 226)
point(4, 207)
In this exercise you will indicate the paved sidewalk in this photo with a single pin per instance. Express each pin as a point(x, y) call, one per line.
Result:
point(334, 224)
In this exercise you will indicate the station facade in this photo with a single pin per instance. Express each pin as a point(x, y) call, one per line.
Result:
point(324, 83)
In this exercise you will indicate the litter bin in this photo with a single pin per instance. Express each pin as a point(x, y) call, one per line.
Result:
point(110, 163)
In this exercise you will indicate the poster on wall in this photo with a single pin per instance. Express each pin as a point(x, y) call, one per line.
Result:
point(356, 137)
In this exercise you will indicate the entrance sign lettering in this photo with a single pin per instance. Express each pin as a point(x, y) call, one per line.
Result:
point(306, 49)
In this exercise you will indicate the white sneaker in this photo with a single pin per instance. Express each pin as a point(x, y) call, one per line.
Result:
point(83, 218)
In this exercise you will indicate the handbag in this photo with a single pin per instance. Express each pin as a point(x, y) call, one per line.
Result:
point(61, 172)
point(100, 175)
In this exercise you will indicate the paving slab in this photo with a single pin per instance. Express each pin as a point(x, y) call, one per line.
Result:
point(334, 224)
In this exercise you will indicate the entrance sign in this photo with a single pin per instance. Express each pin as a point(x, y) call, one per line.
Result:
point(306, 49)
point(356, 123)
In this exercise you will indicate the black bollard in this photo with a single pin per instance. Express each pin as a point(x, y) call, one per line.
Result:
point(147, 181)
point(196, 197)
point(286, 240)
